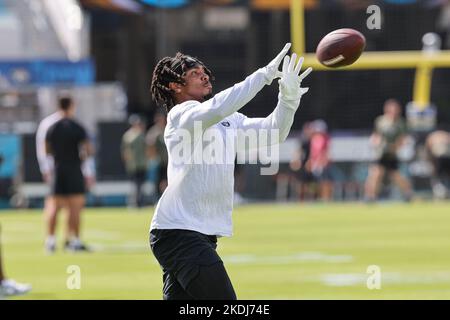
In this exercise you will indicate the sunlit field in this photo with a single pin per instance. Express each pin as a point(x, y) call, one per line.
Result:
point(290, 251)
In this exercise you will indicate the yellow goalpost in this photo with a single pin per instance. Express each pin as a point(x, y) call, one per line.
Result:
point(423, 62)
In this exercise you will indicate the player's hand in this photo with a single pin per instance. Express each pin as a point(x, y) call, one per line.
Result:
point(272, 69)
point(290, 82)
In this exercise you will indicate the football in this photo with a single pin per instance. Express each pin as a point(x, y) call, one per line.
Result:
point(340, 48)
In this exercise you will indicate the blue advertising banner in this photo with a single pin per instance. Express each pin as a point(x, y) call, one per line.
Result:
point(180, 3)
point(10, 146)
point(47, 72)
point(166, 3)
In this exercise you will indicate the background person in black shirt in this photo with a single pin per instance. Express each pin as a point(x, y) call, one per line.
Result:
point(68, 142)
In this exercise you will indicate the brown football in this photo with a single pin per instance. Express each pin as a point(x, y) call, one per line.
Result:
point(340, 48)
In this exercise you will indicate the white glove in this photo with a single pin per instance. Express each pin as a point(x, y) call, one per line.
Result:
point(271, 70)
point(290, 81)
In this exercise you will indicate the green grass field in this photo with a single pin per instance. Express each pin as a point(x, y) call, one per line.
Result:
point(278, 252)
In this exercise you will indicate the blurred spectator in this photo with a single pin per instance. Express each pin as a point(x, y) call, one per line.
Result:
point(9, 287)
point(319, 160)
point(46, 166)
point(438, 148)
point(387, 138)
point(133, 149)
point(303, 175)
point(68, 143)
point(47, 169)
point(157, 150)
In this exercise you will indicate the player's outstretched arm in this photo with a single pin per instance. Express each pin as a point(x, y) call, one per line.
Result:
point(232, 99)
point(290, 93)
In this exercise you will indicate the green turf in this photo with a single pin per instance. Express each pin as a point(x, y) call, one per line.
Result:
point(277, 252)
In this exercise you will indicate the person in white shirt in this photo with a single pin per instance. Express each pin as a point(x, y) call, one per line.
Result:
point(46, 167)
point(196, 206)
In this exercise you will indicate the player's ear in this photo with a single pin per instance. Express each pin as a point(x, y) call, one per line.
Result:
point(175, 87)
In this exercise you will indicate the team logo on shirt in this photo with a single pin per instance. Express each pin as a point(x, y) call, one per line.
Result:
point(225, 123)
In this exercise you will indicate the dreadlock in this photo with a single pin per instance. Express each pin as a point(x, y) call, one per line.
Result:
point(171, 69)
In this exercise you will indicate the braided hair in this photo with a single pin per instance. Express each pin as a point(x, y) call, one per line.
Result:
point(172, 69)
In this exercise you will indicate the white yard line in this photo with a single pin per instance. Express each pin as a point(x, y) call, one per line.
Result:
point(302, 257)
point(358, 279)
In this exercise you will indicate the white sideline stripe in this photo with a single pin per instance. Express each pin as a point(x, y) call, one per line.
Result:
point(123, 247)
point(33, 190)
point(299, 257)
point(236, 259)
point(358, 279)
point(102, 235)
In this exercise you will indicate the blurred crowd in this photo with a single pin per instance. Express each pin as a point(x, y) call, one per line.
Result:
point(139, 148)
point(312, 175)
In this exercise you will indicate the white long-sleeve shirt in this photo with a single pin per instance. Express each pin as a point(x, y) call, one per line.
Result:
point(199, 195)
